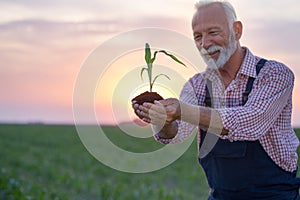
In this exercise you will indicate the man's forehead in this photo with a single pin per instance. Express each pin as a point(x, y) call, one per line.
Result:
point(213, 13)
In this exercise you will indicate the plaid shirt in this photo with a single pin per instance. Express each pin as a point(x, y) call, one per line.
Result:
point(265, 117)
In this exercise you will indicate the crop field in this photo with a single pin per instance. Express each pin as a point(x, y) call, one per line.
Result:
point(50, 162)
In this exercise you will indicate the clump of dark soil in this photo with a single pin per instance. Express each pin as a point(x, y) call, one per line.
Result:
point(147, 97)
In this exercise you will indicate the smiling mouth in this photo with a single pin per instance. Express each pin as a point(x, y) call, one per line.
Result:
point(211, 54)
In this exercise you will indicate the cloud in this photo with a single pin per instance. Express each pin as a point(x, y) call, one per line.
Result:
point(43, 43)
point(267, 9)
point(278, 40)
point(78, 11)
point(46, 32)
point(282, 36)
point(62, 10)
point(40, 60)
point(25, 35)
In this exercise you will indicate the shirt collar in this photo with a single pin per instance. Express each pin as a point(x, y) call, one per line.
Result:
point(248, 66)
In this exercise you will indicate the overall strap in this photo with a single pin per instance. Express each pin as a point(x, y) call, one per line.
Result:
point(208, 103)
point(209, 98)
point(250, 82)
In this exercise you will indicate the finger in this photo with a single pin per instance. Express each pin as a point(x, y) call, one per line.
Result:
point(143, 109)
point(135, 106)
point(154, 114)
point(146, 120)
point(146, 116)
point(137, 112)
point(157, 116)
point(133, 102)
point(153, 105)
point(147, 105)
point(158, 107)
point(168, 101)
point(156, 102)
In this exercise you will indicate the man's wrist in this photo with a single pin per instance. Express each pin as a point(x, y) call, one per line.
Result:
point(190, 113)
point(168, 131)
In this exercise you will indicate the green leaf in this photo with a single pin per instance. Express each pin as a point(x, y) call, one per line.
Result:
point(159, 76)
point(154, 57)
point(172, 56)
point(147, 53)
point(150, 62)
point(143, 69)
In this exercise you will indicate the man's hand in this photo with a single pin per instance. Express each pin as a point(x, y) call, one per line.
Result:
point(164, 112)
point(135, 107)
point(161, 112)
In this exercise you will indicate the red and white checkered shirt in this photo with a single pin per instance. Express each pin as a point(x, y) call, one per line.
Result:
point(265, 117)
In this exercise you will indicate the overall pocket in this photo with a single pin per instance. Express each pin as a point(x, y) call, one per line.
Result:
point(227, 149)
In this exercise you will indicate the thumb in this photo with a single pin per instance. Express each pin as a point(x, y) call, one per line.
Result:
point(157, 102)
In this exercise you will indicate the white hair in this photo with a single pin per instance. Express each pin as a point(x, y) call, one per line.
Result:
point(228, 8)
point(225, 52)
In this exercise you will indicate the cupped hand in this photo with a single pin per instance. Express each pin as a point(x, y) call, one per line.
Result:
point(161, 112)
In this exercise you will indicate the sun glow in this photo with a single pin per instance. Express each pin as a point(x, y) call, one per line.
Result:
point(122, 81)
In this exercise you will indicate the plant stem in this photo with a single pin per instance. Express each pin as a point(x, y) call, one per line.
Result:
point(150, 75)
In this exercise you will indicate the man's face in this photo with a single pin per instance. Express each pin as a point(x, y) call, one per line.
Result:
point(213, 38)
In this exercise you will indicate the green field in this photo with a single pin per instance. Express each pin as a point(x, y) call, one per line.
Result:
point(50, 162)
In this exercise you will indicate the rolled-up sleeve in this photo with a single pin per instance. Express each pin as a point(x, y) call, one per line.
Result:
point(270, 94)
point(188, 95)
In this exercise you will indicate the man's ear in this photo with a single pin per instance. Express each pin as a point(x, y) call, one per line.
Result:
point(238, 29)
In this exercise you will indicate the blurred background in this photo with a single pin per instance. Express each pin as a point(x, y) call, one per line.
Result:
point(44, 43)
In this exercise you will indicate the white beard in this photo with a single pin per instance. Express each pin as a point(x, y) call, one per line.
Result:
point(225, 53)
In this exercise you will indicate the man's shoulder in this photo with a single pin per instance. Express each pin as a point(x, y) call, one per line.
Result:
point(197, 76)
point(276, 70)
point(271, 66)
point(196, 81)
point(275, 67)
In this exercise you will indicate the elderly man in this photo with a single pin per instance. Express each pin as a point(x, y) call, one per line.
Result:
point(243, 100)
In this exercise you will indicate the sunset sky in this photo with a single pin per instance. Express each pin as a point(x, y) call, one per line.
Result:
point(43, 45)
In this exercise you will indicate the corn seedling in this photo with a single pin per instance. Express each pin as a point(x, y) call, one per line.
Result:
point(150, 62)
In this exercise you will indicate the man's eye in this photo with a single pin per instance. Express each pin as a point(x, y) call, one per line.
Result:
point(213, 32)
point(197, 37)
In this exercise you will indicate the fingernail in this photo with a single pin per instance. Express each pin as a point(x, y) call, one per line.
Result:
point(141, 107)
point(146, 104)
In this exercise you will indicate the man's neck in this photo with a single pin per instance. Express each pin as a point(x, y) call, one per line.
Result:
point(230, 69)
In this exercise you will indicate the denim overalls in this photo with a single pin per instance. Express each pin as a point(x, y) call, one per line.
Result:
point(242, 170)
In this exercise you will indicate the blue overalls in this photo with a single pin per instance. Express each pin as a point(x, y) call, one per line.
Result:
point(242, 170)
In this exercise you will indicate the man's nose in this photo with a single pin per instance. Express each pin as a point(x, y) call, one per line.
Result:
point(206, 42)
